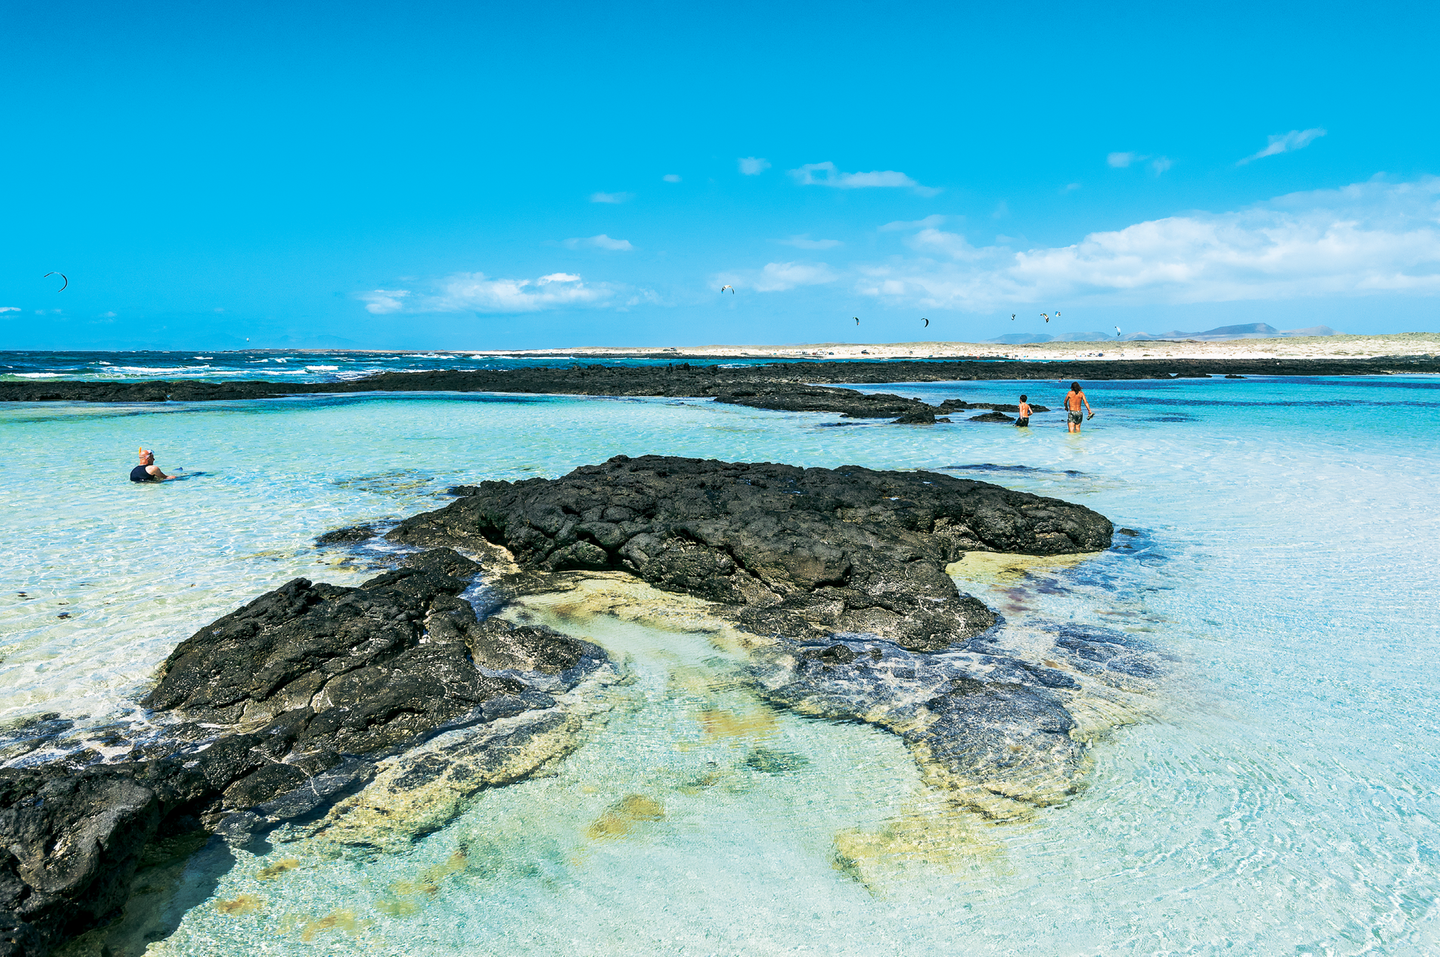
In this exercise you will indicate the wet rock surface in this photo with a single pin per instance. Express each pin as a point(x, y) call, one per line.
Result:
point(277, 710)
point(793, 551)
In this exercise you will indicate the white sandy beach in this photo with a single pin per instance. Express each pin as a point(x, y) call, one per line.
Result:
point(1298, 347)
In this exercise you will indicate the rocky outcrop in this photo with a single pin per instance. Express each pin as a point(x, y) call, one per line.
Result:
point(341, 710)
point(840, 576)
point(772, 386)
point(276, 710)
point(791, 550)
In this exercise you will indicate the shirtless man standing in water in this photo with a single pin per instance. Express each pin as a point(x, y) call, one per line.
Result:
point(1074, 399)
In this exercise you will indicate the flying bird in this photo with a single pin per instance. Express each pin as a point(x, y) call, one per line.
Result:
point(1012, 317)
point(61, 275)
point(927, 323)
point(731, 288)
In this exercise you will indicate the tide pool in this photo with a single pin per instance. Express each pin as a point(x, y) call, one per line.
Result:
point(1278, 795)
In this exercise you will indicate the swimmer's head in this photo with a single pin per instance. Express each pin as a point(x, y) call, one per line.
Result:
point(1074, 387)
point(146, 456)
point(1024, 398)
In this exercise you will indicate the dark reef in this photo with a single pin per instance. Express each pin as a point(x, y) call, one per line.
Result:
point(795, 386)
point(794, 551)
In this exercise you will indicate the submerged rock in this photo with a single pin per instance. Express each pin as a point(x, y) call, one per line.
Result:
point(349, 535)
point(840, 576)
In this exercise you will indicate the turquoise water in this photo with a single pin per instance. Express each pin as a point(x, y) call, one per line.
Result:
point(1279, 797)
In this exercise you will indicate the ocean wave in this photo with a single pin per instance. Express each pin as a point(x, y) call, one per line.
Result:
point(321, 368)
point(40, 375)
point(162, 370)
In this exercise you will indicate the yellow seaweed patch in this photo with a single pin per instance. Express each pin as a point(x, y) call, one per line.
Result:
point(1001, 570)
point(624, 816)
point(932, 833)
point(584, 596)
point(341, 920)
point(244, 904)
point(719, 723)
point(278, 868)
point(430, 879)
point(401, 908)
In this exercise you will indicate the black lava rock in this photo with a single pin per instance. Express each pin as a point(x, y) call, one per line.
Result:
point(791, 550)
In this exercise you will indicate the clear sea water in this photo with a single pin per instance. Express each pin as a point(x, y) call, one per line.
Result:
point(1280, 799)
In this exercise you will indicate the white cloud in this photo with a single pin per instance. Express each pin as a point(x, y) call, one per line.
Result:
point(1364, 239)
point(1285, 143)
point(381, 301)
point(1160, 164)
point(929, 222)
point(616, 198)
point(1002, 209)
point(778, 277)
point(807, 176)
point(9, 308)
point(805, 242)
point(1122, 160)
point(476, 292)
point(1069, 187)
point(599, 242)
point(753, 165)
point(671, 177)
point(107, 315)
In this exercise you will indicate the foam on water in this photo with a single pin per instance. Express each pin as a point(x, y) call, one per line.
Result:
point(1283, 801)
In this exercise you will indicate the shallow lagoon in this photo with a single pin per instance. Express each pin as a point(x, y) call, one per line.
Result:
point(1280, 800)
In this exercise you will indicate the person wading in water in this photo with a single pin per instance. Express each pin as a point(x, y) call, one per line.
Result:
point(1074, 399)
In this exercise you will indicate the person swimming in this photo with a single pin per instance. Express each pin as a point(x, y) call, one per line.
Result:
point(147, 470)
point(1023, 422)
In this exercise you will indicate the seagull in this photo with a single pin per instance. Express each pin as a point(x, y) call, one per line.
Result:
point(61, 275)
point(731, 288)
point(927, 323)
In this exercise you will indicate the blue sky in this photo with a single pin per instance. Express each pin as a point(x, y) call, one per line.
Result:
point(476, 176)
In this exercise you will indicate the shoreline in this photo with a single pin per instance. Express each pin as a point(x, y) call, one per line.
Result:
point(1407, 344)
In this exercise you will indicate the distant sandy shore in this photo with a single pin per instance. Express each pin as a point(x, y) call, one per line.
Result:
point(1299, 347)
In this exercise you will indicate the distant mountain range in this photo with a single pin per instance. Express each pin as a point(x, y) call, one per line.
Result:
point(1252, 330)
